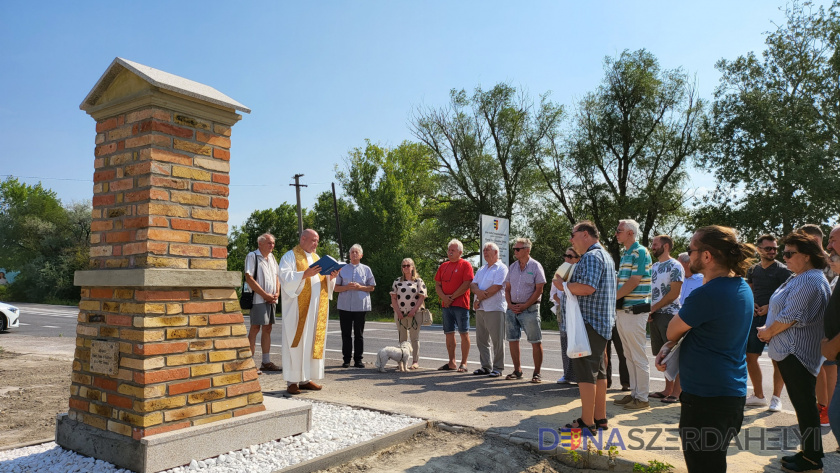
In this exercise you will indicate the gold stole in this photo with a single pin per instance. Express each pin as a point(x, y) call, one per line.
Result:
point(303, 306)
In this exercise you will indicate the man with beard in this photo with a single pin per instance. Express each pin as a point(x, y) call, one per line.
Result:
point(666, 281)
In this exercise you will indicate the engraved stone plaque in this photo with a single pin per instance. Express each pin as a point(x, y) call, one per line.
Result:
point(104, 357)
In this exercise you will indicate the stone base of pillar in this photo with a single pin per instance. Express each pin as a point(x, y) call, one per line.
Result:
point(282, 418)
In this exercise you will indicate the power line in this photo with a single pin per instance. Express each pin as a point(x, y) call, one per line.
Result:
point(91, 180)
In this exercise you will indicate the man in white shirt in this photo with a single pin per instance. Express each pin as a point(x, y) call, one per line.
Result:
point(490, 307)
point(266, 289)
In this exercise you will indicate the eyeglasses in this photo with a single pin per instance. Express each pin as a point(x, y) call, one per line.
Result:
point(406, 266)
point(769, 249)
point(789, 254)
point(619, 231)
point(569, 256)
point(689, 251)
point(521, 248)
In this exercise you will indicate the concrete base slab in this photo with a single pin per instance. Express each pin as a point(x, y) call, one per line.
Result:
point(282, 418)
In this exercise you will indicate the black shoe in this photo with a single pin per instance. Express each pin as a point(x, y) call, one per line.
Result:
point(359, 364)
point(803, 464)
point(345, 365)
point(790, 458)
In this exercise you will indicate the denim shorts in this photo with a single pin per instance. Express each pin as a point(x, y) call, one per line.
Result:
point(456, 316)
point(528, 320)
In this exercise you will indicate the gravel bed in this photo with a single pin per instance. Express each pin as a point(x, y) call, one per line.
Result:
point(334, 427)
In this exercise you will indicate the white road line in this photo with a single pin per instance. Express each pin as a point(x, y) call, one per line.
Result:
point(49, 326)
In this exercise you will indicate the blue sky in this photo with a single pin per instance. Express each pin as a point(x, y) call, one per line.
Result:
point(321, 77)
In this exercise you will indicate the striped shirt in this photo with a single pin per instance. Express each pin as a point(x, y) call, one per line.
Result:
point(635, 261)
point(596, 269)
point(800, 300)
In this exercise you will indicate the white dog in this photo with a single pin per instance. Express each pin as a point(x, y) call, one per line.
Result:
point(400, 354)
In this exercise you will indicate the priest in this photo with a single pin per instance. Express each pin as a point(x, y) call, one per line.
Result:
point(305, 296)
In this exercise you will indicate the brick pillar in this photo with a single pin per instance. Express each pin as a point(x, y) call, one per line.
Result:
point(161, 344)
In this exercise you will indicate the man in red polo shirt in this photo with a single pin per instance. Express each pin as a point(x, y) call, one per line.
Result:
point(452, 284)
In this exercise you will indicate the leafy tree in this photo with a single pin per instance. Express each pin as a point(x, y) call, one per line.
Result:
point(774, 129)
point(630, 145)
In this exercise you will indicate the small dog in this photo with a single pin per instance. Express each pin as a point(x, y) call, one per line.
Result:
point(400, 354)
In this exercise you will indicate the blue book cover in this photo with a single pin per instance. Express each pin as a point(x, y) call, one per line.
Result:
point(328, 264)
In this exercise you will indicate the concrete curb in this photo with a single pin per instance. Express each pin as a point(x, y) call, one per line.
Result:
point(356, 451)
point(27, 444)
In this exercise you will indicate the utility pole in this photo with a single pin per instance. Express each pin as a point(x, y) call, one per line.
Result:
point(298, 185)
point(338, 226)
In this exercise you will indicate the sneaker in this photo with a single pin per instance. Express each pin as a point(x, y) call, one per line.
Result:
point(775, 404)
point(562, 380)
point(358, 364)
point(636, 405)
point(754, 401)
point(625, 400)
point(823, 415)
point(803, 465)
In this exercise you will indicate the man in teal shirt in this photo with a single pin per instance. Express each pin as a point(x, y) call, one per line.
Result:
point(634, 287)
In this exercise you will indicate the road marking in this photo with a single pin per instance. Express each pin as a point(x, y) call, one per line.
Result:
point(49, 326)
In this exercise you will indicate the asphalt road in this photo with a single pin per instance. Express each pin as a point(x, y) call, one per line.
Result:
point(60, 321)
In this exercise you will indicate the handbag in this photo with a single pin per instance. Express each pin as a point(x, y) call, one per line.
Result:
point(425, 316)
point(246, 300)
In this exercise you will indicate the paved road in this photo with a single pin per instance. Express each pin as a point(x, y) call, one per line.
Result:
point(60, 321)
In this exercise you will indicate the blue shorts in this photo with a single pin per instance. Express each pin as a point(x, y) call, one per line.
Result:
point(456, 316)
point(528, 320)
point(754, 345)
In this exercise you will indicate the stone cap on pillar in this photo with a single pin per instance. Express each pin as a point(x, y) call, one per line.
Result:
point(116, 73)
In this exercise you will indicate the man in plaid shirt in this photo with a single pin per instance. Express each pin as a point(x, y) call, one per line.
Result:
point(594, 284)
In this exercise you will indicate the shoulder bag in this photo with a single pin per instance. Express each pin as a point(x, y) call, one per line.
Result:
point(246, 300)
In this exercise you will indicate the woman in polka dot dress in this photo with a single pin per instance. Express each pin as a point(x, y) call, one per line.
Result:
point(407, 295)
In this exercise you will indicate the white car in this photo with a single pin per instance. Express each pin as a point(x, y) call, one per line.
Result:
point(9, 316)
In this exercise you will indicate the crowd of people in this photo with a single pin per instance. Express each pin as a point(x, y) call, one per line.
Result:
point(714, 303)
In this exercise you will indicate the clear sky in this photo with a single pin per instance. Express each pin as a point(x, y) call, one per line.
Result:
point(321, 77)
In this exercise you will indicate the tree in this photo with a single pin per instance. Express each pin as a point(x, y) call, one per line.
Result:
point(630, 145)
point(281, 222)
point(774, 129)
point(485, 146)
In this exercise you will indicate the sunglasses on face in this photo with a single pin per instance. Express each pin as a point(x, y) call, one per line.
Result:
point(769, 249)
point(521, 248)
point(789, 254)
point(569, 256)
point(406, 266)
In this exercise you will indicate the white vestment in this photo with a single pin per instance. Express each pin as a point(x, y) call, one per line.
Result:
point(298, 364)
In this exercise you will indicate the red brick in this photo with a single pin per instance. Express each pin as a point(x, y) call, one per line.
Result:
point(100, 176)
point(219, 252)
point(221, 154)
point(221, 178)
point(117, 251)
point(100, 293)
point(189, 386)
point(160, 348)
point(168, 182)
point(100, 163)
point(204, 188)
point(106, 125)
point(215, 140)
point(188, 250)
point(146, 168)
point(162, 295)
point(103, 200)
point(101, 225)
point(173, 130)
point(191, 225)
point(250, 374)
point(160, 376)
point(120, 401)
point(78, 404)
point(119, 320)
point(109, 384)
point(122, 185)
point(216, 319)
point(167, 156)
point(244, 388)
point(137, 222)
point(118, 237)
point(139, 433)
point(120, 145)
point(219, 203)
point(105, 149)
point(202, 307)
point(248, 410)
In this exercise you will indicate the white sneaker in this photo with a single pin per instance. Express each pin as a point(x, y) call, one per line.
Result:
point(754, 401)
point(775, 404)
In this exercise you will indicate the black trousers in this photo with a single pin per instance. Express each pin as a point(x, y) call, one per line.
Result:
point(352, 326)
point(623, 374)
point(800, 385)
point(707, 425)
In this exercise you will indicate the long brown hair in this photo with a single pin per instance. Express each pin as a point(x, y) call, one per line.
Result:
point(722, 243)
point(413, 269)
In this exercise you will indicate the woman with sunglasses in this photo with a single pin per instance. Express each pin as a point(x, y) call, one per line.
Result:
point(794, 330)
point(407, 295)
point(558, 297)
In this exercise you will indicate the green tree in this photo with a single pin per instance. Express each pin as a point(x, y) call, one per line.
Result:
point(281, 222)
point(774, 129)
point(630, 144)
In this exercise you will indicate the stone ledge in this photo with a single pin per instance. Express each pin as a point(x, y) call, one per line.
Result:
point(156, 277)
point(283, 418)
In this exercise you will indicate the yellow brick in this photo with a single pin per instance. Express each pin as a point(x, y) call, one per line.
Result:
point(125, 375)
point(147, 392)
point(255, 398)
point(202, 370)
point(201, 345)
point(95, 421)
point(240, 365)
point(189, 198)
point(77, 366)
point(186, 359)
point(88, 393)
point(169, 210)
point(212, 164)
point(218, 294)
point(132, 308)
point(216, 418)
point(142, 335)
point(223, 355)
point(74, 390)
point(222, 331)
point(124, 293)
point(135, 420)
point(227, 379)
point(189, 146)
point(89, 305)
point(208, 264)
point(232, 306)
point(204, 239)
point(189, 173)
point(160, 404)
point(118, 428)
point(113, 332)
point(126, 347)
point(172, 309)
point(100, 410)
point(88, 330)
point(161, 321)
point(228, 404)
point(238, 330)
point(79, 378)
point(143, 364)
point(111, 306)
point(199, 320)
point(205, 396)
point(181, 333)
point(245, 353)
point(210, 214)
point(185, 412)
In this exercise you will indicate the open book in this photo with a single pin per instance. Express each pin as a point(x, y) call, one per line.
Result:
point(328, 264)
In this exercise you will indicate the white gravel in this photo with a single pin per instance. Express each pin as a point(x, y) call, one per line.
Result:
point(334, 427)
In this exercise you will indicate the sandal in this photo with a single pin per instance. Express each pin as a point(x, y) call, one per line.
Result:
point(659, 395)
point(481, 371)
point(601, 424)
point(462, 368)
point(415, 366)
point(536, 379)
point(670, 399)
point(446, 368)
point(581, 425)
point(495, 374)
point(514, 375)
